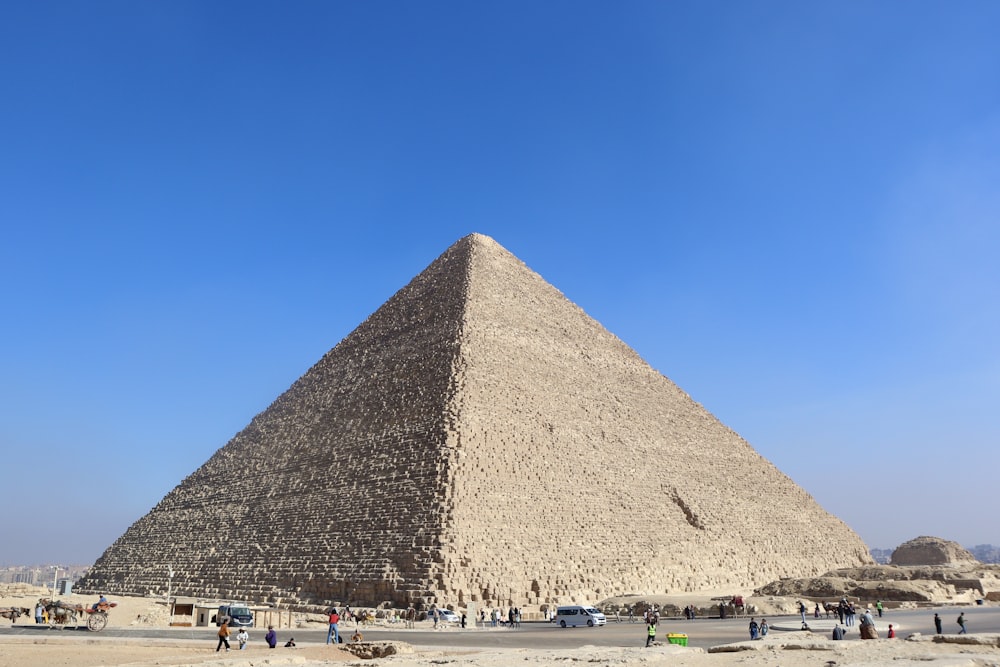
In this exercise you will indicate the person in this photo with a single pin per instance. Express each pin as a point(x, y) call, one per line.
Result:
point(878, 606)
point(816, 611)
point(223, 636)
point(333, 634)
point(463, 619)
point(961, 623)
point(631, 615)
point(650, 632)
point(436, 615)
point(838, 632)
point(242, 637)
point(892, 633)
point(937, 624)
point(290, 643)
point(39, 610)
point(271, 637)
point(802, 610)
point(763, 628)
point(868, 626)
point(102, 600)
point(754, 629)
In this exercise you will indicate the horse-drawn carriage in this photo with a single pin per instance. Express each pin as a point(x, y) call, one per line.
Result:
point(62, 614)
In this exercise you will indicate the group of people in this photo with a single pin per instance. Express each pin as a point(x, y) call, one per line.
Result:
point(758, 630)
point(243, 637)
point(496, 617)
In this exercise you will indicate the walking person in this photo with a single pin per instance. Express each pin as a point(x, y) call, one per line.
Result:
point(223, 636)
point(754, 629)
point(333, 633)
point(763, 628)
point(961, 623)
point(878, 606)
point(650, 632)
point(937, 624)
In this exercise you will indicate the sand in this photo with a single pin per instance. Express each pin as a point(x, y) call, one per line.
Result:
point(792, 649)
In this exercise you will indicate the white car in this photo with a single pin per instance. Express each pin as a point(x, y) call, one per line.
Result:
point(445, 616)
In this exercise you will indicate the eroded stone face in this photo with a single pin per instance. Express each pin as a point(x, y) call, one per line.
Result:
point(478, 439)
point(927, 550)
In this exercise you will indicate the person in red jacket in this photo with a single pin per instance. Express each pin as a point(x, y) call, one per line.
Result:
point(333, 634)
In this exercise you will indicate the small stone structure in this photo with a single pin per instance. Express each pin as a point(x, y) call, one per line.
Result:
point(925, 550)
point(478, 439)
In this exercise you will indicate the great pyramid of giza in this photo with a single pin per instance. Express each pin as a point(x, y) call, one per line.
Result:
point(478, 438)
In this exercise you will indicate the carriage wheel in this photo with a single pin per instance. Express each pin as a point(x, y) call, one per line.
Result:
point(97, 621)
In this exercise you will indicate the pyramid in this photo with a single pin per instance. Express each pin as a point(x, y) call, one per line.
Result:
point(478, 439)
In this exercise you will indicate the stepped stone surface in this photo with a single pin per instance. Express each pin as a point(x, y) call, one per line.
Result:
point(925, 550)
point(478, 438)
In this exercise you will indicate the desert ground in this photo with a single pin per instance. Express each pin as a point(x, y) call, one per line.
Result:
point(85, 649)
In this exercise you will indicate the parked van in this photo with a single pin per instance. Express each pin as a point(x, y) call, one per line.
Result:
point(575, 615)
point(238, 615)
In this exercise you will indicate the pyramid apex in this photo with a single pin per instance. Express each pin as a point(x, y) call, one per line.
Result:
point(478, 238)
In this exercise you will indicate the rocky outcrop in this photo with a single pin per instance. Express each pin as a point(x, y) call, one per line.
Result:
point(478, 439)
point(924, 584)
point(931, 551)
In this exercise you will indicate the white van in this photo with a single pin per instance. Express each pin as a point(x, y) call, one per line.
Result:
point(572, 616)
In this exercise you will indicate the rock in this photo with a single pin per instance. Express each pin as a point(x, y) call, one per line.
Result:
point(931, 551)
point(370, 650)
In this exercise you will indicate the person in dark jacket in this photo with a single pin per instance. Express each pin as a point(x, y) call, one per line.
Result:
point(271, 637)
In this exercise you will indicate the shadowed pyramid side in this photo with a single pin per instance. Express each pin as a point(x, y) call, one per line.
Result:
point(327, 494)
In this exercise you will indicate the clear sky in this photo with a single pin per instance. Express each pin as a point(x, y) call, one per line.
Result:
point(790, 209)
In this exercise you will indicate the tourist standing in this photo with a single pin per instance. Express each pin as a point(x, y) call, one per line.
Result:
point(878, 606)
point(802, 610)
point(763, 628)
point(961, 623)
point(271, 637)
point(39, 611)
point(650, 631)
point(242, 637)
point(937, 624)
point(223, 636)
point(333, 633)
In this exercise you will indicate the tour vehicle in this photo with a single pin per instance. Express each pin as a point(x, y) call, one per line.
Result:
point(574, 615)
point(238, 615)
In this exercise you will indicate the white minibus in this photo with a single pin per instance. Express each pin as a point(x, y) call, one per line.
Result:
point(571, 616)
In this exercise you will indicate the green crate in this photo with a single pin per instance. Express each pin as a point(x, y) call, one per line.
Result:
point(680, 640)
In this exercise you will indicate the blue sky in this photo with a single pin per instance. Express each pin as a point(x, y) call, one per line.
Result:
point(790, 209)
